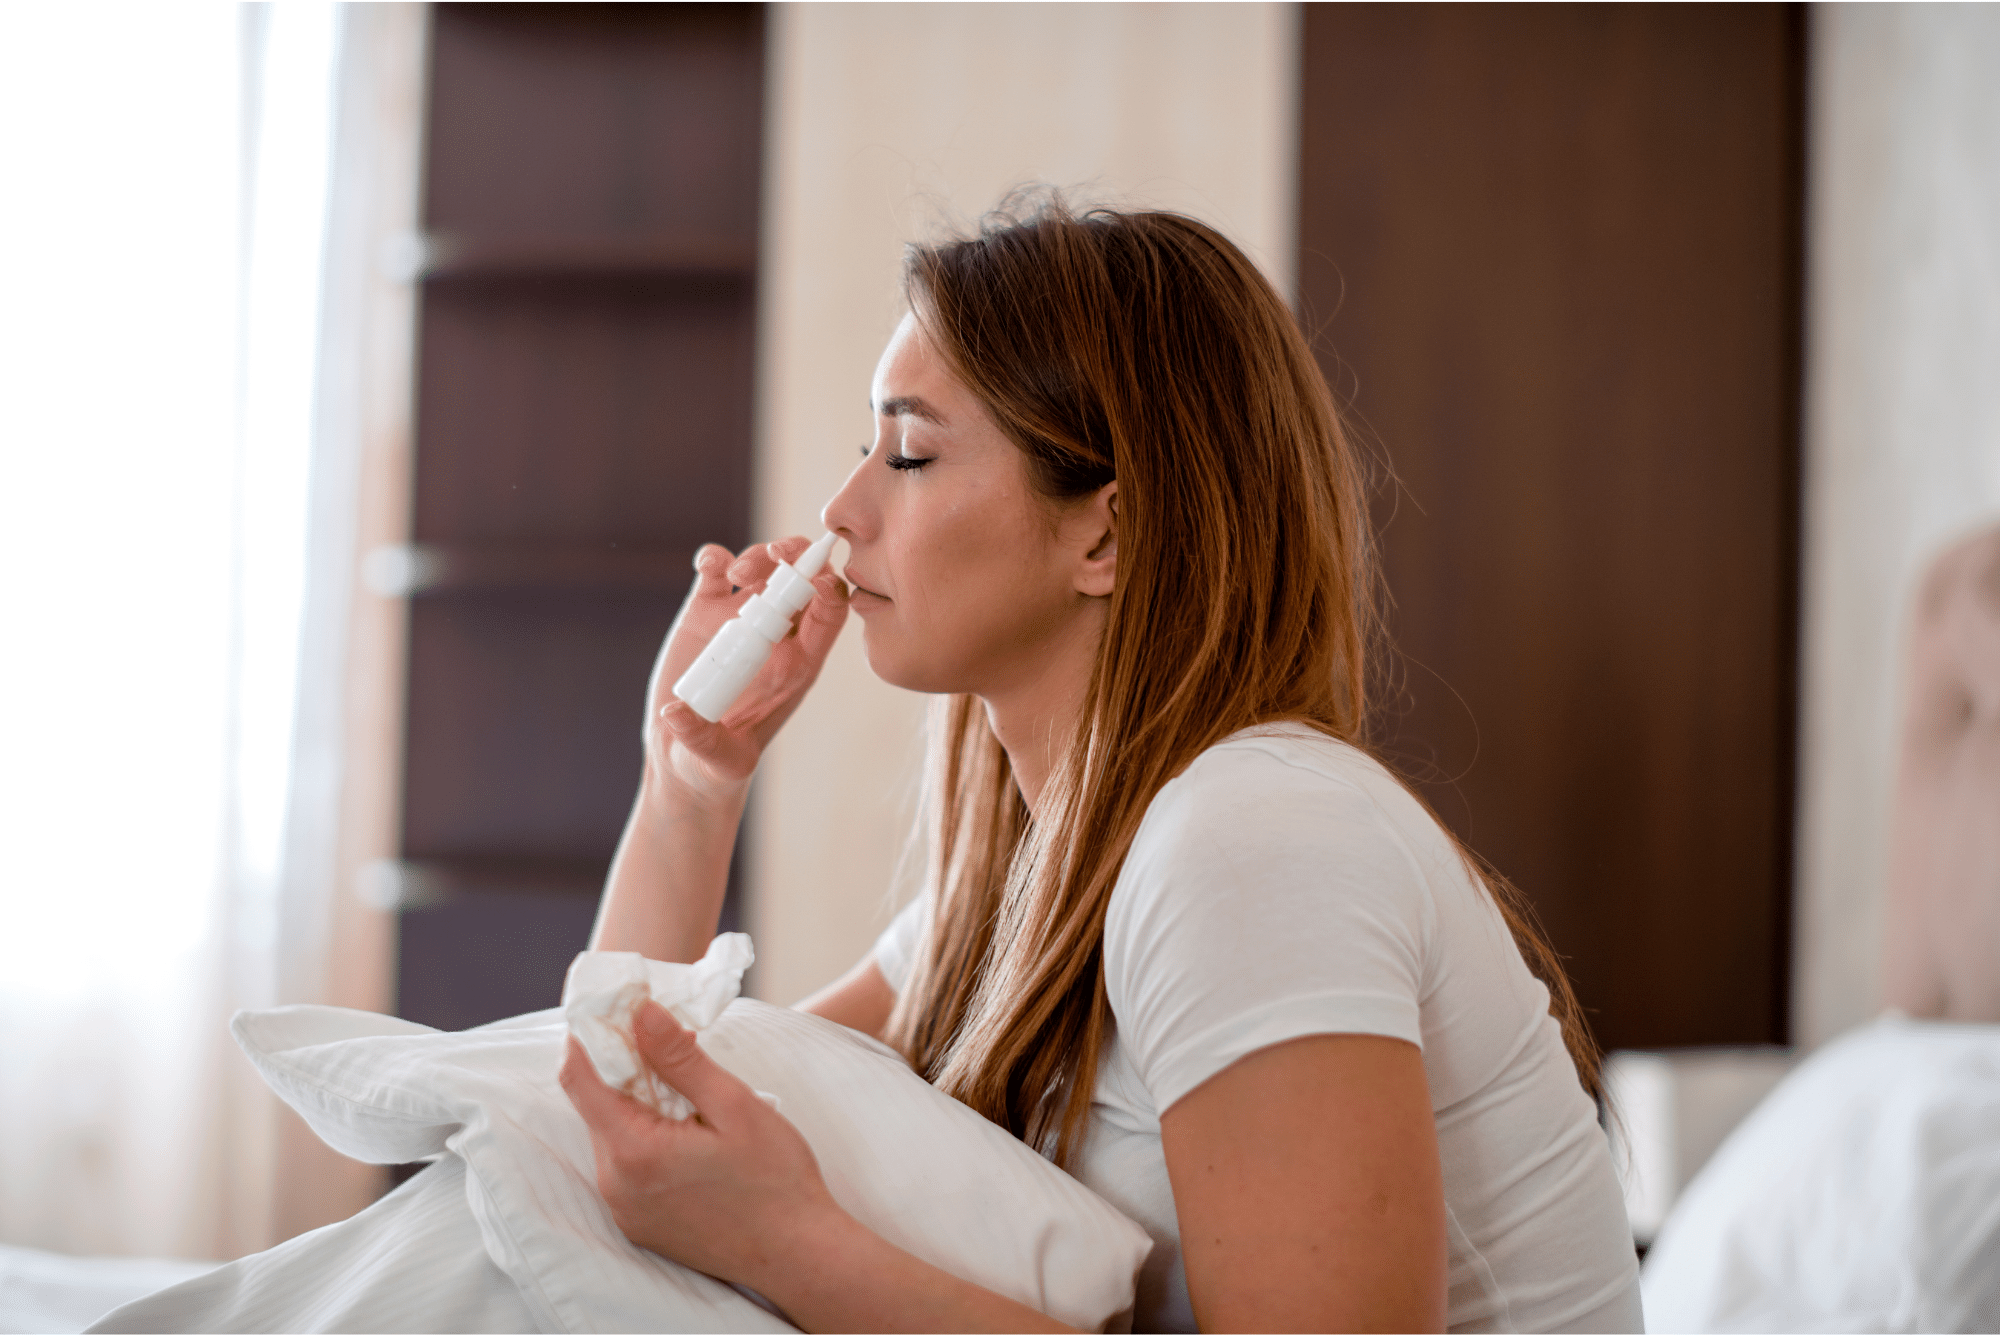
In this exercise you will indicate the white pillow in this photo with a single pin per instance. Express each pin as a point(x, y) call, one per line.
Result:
point(1863, 1194)
point(924, 1171)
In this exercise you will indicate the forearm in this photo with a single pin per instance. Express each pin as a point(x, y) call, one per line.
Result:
point(849, 1278)
point(664, 894)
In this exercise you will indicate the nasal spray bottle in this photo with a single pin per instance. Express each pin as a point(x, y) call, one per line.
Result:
point(710, 686)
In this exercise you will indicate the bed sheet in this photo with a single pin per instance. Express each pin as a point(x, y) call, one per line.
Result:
point(51, 1292)
point(411, 1261)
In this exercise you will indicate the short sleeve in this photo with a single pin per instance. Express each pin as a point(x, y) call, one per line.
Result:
point(896, 949)
point(1262, 901)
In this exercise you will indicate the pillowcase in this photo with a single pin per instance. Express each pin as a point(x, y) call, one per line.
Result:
point(1863, 1194)
point(921, 1169)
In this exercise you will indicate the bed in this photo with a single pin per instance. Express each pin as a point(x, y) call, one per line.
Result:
point(1864, 1192)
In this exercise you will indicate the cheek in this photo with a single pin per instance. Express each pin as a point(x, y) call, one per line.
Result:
point(967, 564)
point(976, 603)
point(974, 587)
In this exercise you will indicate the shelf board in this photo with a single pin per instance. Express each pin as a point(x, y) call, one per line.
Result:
point(402, 884)
point(418, 570)
point(445, 256)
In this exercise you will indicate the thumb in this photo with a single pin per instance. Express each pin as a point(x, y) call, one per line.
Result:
point(721, 751)
point(824, 615)
point(670, 1049)
point(604, 1110)
point(681, 720)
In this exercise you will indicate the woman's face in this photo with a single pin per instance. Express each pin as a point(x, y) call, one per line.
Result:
point(965, 579)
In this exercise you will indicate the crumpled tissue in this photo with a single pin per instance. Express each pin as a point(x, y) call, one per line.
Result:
point(602, 996)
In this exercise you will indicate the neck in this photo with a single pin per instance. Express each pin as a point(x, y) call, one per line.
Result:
point(1035, 719)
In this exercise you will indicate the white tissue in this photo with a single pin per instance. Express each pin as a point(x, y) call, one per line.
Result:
point(603, 993)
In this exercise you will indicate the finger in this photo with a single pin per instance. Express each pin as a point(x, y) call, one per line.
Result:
point(604, 1110)
point(671, 1050)
point(711, 565)
point(824, 615)
point(754, 566)
point(788, 550)
point(829, 583)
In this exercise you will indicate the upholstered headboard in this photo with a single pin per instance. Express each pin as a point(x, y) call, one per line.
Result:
point(1941, 938)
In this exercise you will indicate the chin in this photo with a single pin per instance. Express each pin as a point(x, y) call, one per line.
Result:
point(905, 670)
point(901, 675)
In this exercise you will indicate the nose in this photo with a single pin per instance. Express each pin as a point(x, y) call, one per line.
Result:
point(847, 513)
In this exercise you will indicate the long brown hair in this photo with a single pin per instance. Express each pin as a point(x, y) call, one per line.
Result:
point(1141, 347)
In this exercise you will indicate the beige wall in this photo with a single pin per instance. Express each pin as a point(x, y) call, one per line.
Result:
point(884, 121)
point(1902, 432)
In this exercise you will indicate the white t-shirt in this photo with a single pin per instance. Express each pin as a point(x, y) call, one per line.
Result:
point(1286, 885)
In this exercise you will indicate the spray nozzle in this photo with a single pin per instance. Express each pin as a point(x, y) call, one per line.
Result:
point(815, 556)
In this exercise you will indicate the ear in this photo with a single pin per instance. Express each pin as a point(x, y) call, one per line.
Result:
point(1096, 522)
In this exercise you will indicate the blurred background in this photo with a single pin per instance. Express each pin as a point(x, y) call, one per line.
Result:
point(373, 371)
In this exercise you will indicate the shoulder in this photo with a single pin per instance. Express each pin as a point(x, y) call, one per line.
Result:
point(1282, 885)
point(1281, 791)
point(1280, 751)
point(1281, 830)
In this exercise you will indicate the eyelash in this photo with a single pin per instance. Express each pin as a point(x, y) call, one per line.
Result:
point(900, 462)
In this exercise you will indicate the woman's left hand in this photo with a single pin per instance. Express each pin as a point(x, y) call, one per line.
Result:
point(733, 1191)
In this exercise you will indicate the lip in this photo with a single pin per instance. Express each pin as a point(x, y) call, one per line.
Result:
point(858, 587)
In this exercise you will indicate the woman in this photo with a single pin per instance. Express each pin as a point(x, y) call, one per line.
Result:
point(1181, 933)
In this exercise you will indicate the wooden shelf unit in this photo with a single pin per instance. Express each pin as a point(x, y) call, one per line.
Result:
point(458, 257)
point(587, 269)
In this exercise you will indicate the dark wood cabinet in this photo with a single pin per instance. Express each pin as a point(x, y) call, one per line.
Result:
point(1553, 257)
point(583, 415)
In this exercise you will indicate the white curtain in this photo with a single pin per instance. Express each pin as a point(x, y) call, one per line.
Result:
point(166, 174)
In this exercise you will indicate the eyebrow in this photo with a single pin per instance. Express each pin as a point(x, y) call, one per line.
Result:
point(910, 406)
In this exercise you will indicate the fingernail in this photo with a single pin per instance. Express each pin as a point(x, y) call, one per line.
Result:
point(677, 715)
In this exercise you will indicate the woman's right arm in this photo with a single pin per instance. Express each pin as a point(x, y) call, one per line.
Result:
point(664, 894)
point(861, 999)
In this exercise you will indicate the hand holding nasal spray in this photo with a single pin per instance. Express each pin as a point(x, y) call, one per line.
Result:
point(712, 683)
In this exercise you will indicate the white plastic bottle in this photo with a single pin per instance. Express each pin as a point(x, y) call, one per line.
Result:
point(714, 680)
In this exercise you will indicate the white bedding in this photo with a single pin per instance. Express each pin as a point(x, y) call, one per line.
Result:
point(50, 1292)
point(411, 1261)
point(1862, 1195)
point(506, 1232)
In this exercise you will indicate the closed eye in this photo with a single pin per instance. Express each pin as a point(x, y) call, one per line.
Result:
point(899, 462)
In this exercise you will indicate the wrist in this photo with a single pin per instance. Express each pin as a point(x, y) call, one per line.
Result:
point(835, 1273)
point(668, 796)
point(811, 1259)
